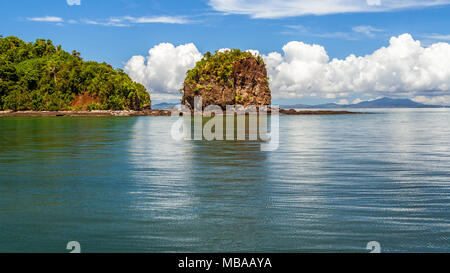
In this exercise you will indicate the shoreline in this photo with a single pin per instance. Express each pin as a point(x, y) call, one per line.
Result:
point(95, 113)
point(145, 113)
point(317, 112)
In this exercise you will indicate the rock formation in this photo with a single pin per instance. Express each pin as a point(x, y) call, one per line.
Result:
point(228, 78)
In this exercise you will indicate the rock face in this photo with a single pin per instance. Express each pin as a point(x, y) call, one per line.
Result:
point(228, 78)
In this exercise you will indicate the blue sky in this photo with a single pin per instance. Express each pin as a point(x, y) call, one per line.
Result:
point(115, 30)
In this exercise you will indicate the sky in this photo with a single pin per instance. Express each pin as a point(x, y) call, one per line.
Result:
point(341, 51)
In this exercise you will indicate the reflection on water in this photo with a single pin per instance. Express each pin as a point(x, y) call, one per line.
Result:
point(123, 184)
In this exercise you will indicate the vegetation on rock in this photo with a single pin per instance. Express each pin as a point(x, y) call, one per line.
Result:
point(40, 76)
point(227, 78)
point(220, 65)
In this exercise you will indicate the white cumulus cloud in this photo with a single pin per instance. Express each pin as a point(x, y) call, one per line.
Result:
point(73, 2)
point(289, 8)
point(164, 69)
point(404, 68)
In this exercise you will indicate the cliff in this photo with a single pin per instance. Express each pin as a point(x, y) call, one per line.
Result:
point(228, 78)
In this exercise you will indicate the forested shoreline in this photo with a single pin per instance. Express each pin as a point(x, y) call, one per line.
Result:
point(40, 76)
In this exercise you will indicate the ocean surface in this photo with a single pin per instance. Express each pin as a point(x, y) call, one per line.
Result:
point(124, 185)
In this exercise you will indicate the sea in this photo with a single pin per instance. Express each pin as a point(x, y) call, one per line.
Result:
point(123, 184)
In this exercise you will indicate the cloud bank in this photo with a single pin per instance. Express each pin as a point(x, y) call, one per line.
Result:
point(290, 8)
point(404, 68)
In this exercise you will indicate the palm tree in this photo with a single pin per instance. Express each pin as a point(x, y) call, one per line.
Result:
point(76, 53)
point(52, 68)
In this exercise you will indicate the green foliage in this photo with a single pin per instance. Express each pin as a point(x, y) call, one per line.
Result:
point(39, 76)
point(115, 103)
point(239, 98)
point(220, 66)
point(94, 106)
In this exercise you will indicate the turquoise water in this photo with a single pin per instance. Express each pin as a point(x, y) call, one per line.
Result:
point(123, 185)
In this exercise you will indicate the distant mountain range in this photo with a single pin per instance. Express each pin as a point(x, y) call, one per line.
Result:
point(164, 106)
point(378, 103)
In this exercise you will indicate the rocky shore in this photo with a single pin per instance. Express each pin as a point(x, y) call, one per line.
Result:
point(151, 113)
point(96, 113)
